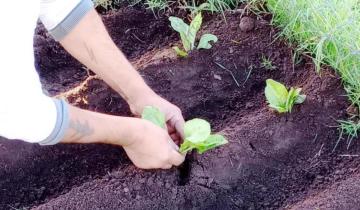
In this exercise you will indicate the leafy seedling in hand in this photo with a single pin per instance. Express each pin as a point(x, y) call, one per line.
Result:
point(188, 35)
point(280, 99)
point(197, 132)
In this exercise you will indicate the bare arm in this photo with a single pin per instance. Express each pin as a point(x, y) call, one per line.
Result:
point(90, 43)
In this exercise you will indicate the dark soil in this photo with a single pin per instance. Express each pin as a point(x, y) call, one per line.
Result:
point(272, 162)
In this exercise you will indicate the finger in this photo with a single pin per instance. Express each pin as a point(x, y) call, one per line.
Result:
point(176, 158)
point(178, 122)
point(175, 137)
point(167, 166)
point(171, 128)
point(173, 145)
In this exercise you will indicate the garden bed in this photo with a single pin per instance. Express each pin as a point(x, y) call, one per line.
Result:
point(272, 161)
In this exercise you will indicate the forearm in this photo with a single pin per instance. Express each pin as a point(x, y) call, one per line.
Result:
point(91, 44)
point(91, 127)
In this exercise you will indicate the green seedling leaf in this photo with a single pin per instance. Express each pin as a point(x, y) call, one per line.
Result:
point(186, 42)
point(197, 130)
point(178, 24)
point(276, 95)
point(290, 101)
point(211, 142)
point(154, 115)
point(205, 41)
point(300, 98)
point(180, 53)
point(197, 136)
point(182, 28)
point(194, 28)
point(186, 147)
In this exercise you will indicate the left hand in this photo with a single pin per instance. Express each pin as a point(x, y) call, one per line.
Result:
point(174, 119)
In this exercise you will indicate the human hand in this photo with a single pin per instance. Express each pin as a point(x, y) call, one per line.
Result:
point(174, 119)
point(150, 147)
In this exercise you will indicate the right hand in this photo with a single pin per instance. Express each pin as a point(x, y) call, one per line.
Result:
point(150, 147)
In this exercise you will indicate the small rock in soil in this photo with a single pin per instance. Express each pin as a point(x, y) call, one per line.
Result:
point(247, 24)
point(150, 181)
point(126, 190)
point(137, 187)
point(249, 105)
point(231, 50)
point(167, 185)
point(218, 77)
point(159, 183)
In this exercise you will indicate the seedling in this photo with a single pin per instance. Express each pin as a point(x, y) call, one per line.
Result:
point(267, 63)
point(197, 132)
point(280, 99)
point(188, 35)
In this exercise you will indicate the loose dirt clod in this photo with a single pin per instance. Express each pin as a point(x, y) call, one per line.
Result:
point(247, 24)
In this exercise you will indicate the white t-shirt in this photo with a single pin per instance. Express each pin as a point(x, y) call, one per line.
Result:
point(25, 112)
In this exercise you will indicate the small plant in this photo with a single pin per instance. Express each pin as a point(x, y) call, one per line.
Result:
point(280, 99)
point(197, 132)
point(188, 35)
point(267, 63)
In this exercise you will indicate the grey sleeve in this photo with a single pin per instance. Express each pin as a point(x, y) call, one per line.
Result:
point(71, 20)
point(62, 123)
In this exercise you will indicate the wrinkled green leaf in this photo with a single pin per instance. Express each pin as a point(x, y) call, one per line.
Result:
point(180, 52)
point(154, 115)
point(276, 94)
point(197, 130)
point(300, 99)
point(182, 28)
point(205, 41)
point(211, 142)
point(193, 29)
point(178, 24)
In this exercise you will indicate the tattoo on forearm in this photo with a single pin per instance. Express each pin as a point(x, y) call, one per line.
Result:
point(82, 129)
point(90, 53)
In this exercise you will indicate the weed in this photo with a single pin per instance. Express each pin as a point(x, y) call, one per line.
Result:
point(348, 128)
point(106, 4)
point(267, 63)
point(157, 5)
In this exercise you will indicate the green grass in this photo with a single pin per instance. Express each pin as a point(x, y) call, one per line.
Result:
point(329, 31)
point(194, 6)
point(350, 129)
point(106, 4)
